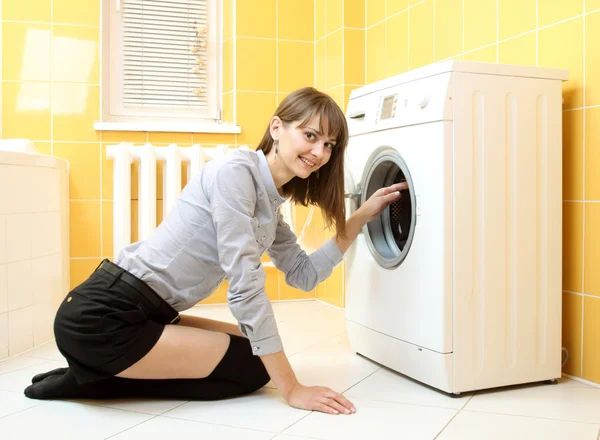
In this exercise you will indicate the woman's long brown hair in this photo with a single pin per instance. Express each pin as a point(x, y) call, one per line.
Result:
point(325, 189)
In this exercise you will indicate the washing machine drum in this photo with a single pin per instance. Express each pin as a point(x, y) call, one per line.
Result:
point(390, 235)
point(400, 215)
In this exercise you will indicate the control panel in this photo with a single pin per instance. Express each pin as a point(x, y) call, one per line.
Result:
point(419, 101)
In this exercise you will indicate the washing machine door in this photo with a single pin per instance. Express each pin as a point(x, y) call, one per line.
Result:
point(390, 235)
point(399, 269)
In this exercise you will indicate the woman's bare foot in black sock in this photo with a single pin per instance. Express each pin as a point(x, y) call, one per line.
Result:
point(55, 386)
point(65, 386)
point(54, 372)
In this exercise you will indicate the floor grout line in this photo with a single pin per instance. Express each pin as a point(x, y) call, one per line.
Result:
point(219, 424)
point(453, 417)
point(28, 366)
point(130, 428)
point(297, 421)
point(44, 359)
point(102, 404)
point(420, 405)
point(174, 408)
point(531, 417)
point(24, 409)
point(362, 380)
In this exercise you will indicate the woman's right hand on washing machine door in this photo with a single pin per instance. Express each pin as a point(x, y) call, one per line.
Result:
point(381, 199)
point(319, 399)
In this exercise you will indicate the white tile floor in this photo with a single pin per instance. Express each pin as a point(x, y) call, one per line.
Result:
point(389, 405)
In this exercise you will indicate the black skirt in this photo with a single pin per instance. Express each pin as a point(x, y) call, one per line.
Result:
point(109, 322)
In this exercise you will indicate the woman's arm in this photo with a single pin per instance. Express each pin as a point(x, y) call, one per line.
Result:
point(304, 271)
point(232, 202)
point(353, 226)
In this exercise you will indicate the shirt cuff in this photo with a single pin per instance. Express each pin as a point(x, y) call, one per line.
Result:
point(270, 345)
point(326, 258)
point(332, 251)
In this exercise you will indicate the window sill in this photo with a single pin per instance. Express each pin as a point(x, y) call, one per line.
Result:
point(169, 127)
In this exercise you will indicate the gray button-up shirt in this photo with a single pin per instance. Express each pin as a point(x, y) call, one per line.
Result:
point(226, 217)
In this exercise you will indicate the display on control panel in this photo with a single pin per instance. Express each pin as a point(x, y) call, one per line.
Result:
point(388, 108)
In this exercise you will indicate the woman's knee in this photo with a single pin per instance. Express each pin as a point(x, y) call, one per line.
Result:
point(262, 378)
point(250, 368)
point(258, 376)
point(255, 377)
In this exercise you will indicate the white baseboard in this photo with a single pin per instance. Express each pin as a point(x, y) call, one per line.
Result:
point(579, 379)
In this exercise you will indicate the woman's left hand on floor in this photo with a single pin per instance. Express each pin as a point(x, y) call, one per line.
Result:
point(320, 399)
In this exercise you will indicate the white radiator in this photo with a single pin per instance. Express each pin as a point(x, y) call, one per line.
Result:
point(124, 154)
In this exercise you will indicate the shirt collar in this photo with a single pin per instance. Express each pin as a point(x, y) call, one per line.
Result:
point(265, 171)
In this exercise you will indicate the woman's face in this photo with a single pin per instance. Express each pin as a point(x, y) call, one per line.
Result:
point(303, 150)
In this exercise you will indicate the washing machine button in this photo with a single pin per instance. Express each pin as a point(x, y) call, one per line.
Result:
point(422, 100)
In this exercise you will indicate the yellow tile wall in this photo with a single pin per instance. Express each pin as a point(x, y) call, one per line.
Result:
point(339, 68)
point(51, 95)
point(338, 45)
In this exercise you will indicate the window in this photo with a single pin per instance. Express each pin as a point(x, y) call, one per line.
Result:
point(161, 62)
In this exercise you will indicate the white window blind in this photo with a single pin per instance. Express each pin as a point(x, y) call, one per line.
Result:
point(164, 60)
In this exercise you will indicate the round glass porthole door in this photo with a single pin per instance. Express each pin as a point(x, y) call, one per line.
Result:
point(390, 235)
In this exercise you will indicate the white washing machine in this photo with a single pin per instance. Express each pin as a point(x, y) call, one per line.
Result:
point(458, 284)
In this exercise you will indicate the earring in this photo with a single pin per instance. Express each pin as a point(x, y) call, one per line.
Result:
point(275, 143)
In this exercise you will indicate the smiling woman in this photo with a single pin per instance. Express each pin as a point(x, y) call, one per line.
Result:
point(120, 330)
point(308, 136)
